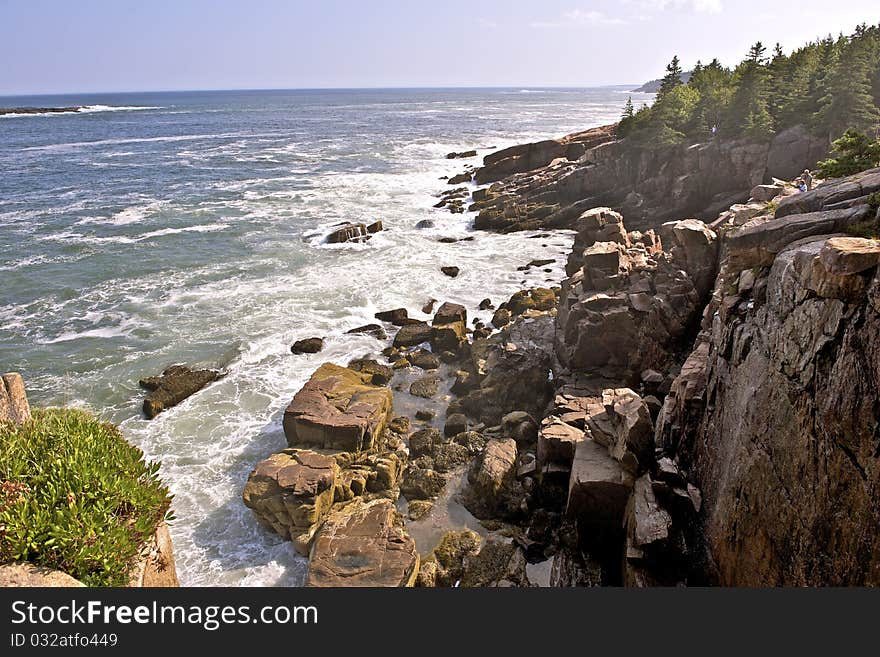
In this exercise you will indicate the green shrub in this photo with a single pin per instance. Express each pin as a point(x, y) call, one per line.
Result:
point(76, 497)
point(868, 229)
point(852, 153)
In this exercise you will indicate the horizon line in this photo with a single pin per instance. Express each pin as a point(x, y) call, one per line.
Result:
point(329, 88)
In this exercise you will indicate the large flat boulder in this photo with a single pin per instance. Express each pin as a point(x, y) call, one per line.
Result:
point(833, 193)
point(338, 408)
point(291, 493)
point(758, 245)
point(363, 544)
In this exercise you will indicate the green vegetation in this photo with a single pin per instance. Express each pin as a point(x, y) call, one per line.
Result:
point(76, 497)
point(851, 153)
point(829, 85)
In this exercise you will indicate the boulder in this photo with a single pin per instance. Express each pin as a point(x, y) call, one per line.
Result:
point(424, 359)
point(698, 254)
point(445, 565)
point(646, 521)
point(424, 223)
point(599, 489)
point(14, 405)
point(418, 509)
point(849, 255)
point(765, 193)
point(449, 327)
point(520, 426)
point(374, 227)
point(450, 312)
point(422, 483)
point(363, 544)
point(348, 233)
point(24, 574)
point(176, 384)
point(380, 375)
point(291, 493)
point(371, 473)
point(426, 387)
point(460, 178)
point(412, 334)
point(445, 457)
point(398, 316)
point(423, 442)
point(455, 424)
point(400, 424)
point(307, 346)
point(632, 440)
point(452, 272)
point(338, 408)
point(370, 329)
point(501, 318)
point(463, 154)
point(490, 478)
point(557, 441)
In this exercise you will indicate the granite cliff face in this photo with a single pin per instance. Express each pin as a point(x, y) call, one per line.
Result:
point(776, 413)
point(549, 184)
point(762, 466)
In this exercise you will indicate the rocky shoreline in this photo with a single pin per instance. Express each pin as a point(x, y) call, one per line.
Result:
point(692, 404)
point(39, 110)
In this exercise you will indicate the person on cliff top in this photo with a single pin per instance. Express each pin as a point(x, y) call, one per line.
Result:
point(808, 179)
point(800, 184)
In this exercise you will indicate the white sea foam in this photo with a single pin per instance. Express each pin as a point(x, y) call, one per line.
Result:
point(130, 215)
point(131, 140)
point(206, 228)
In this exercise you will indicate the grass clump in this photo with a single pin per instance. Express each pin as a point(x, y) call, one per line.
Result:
point(869, 229)
point(75, 496)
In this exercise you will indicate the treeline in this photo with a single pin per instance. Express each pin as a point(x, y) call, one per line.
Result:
point(829, 85)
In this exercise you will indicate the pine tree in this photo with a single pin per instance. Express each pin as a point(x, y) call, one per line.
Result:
point(748, 111)
point(628, 110)
point(849, 101)
point(756, 53)
point(672, 79)
point(712, 82)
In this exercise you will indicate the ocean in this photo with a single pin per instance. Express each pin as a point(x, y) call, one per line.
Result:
point(187, 227)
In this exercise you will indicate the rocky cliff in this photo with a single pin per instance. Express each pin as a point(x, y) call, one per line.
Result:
point(761, 467)
point(549, 184)
point(776, 414)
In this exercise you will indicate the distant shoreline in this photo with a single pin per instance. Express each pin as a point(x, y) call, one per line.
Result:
point(40, 110)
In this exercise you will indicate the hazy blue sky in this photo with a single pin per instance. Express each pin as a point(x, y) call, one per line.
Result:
point(117, 45)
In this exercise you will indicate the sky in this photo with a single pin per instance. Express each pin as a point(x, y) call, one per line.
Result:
point(67, 46)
